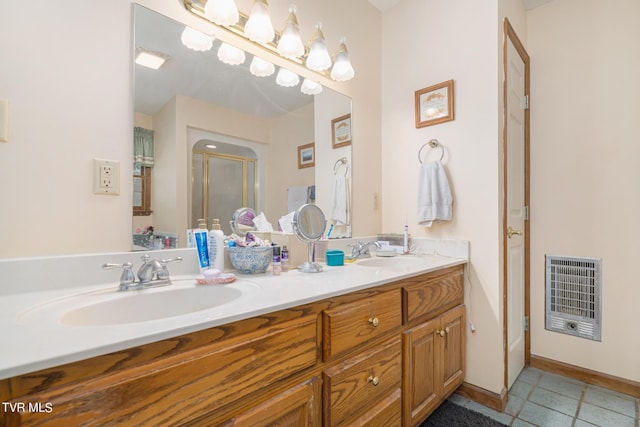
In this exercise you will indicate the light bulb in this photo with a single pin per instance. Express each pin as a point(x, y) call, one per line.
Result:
point(290, 44)
point(194, 39)
point(259, 27)
point(261, 68)
point(230, 54)
point(318, 59)
point(309, 87)
point(222, 12)
point(342, 69)
point(287, 78)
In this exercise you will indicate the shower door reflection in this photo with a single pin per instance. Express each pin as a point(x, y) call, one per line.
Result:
point(222, 183)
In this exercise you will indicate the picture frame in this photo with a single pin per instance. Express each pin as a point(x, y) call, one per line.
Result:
point(341, 131)
point(434, 104)
point(306, 156)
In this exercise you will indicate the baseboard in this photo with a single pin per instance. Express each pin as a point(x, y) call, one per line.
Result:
point(588, 376)
point(484, 397)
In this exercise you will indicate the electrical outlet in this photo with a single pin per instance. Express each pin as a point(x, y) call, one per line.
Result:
point(106, 177)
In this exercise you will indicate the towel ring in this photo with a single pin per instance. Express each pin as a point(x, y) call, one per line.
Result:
point(434, 143)
point(341, 161)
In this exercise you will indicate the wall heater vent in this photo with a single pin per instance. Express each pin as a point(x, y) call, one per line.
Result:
point(574, 295)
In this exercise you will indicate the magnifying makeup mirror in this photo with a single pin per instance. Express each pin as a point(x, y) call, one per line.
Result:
point(242, 221)
point(309, 224)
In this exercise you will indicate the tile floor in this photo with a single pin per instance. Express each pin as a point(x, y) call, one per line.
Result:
point(543, 399)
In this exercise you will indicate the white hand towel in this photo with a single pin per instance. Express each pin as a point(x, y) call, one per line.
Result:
point(339, 211)
point(296, 197)
point(434, 194)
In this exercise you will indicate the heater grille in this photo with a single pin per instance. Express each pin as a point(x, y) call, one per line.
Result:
point(573, 296)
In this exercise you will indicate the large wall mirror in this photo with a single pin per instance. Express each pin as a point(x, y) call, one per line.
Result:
point(224, 138)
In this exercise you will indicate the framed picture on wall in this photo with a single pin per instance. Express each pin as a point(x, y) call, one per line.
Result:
point(434, 104)
point(341, 131)
point(306, 156)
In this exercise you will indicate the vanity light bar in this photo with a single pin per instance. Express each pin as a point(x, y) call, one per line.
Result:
point(197, 8)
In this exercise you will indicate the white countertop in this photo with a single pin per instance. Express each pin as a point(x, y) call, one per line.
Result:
point(34, 338)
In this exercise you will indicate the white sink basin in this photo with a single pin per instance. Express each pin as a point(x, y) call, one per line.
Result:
point(107, 307)
point(141, 306)
point(395, 263)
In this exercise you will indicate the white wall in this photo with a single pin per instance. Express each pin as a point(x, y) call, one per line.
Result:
point(66, 70)
point(584, 168)
point(441, 41)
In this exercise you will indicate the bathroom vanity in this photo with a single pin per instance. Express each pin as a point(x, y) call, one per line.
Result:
point(383, 353)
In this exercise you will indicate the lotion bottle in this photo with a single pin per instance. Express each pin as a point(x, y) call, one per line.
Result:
point(216, 246)
point(284, 261)
point(276, 265)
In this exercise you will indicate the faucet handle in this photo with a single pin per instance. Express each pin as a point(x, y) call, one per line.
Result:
point(127, 277)
point(167, 261)
point(164, 273)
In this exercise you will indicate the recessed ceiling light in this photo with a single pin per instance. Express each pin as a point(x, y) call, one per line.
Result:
point(210, 146)
point(150, 59)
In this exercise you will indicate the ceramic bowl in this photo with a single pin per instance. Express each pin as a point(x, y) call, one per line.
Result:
point(250, 259)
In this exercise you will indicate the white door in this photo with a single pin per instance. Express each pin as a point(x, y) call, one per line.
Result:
point(515, 212)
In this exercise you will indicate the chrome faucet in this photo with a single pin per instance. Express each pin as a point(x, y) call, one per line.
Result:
point(361, 249)
point(152, 273)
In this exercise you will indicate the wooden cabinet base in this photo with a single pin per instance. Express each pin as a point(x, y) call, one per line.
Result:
point(384, 356)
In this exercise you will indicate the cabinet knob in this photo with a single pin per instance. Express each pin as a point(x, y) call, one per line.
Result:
point(374, 321)
point(443, 332)
point(373, 380)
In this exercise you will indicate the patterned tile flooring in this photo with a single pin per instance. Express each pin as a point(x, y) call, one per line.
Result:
point(543, 399)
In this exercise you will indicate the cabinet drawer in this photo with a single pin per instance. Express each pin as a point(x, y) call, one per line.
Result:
point(296, 407)
point(187, 385)
point(386, 413)
point(353, 387)
point(352, 324)
point(432, 294)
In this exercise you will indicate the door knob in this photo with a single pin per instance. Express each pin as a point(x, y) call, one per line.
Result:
point(511, 232)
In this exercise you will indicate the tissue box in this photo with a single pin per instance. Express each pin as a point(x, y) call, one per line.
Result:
point(298, 251)
point(264, 235)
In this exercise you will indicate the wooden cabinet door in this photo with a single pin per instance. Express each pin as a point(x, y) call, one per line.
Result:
point(421, 358)
point(453, 352)
point(434, 359)
point(297, 407)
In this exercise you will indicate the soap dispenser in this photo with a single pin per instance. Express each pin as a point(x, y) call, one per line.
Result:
point(216, 246)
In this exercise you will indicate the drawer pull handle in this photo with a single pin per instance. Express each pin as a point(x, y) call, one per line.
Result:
point(373, 380)
point(374, 321)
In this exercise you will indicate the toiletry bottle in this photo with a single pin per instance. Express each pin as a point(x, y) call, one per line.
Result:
point(216, 245)
point(277, 267)
point(284, 261)
point(202, 245)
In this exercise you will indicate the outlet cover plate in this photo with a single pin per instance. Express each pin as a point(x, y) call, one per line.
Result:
point(106, 177)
